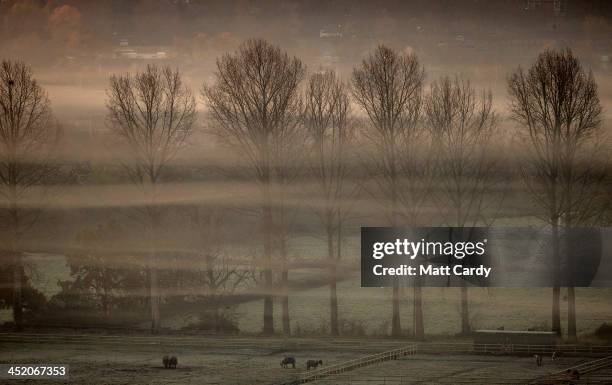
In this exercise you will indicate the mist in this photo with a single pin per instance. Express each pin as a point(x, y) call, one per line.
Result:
point(198, 225)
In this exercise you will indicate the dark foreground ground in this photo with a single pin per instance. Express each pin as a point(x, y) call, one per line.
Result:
point(236, 361)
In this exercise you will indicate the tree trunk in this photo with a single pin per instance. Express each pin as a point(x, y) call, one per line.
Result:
point(216, 318)
point(556, 299)
point(333, 303)
point(18, 274)
point(556, 311)
point(268, 316)
point(333, 299)
point(106, 305)
point(333, 296)
point(284, 275)
point(154, 294)
point(465, 310)
point(571, 314)
point(153, 269)
point(107, 287)
point(419, 326)
point(153, 218)
point(267, 222)
point(285, 301)
point(396, 328)
point(17, 291)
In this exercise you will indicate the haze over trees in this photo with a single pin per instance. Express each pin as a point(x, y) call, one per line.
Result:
point(219, 276)
point(387, 86)
point(555, 102)
point(28, 134)
point(331, 129)
point(152, 113)
point(256, 107)
point(427, 155)
point(463, 126)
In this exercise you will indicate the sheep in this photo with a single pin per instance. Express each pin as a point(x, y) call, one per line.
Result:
point(313, 364)
point(173, 362)
point(288, 361)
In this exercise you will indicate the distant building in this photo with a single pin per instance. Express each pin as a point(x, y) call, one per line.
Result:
point(512, 337)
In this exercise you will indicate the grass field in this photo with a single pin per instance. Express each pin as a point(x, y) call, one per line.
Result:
point(206, 360)
point(137, 364)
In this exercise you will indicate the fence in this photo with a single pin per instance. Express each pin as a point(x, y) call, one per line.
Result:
point(337, 370)
point(515, 349)
point(354, 364)
point(568, 374)
point(348, 379)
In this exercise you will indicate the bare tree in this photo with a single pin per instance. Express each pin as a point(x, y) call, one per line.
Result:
point(417, 170)
point(462, 125)
point(27, 135)
point(328, 120)
point(256, 107)
point(289, 155)
point(557, 104)
point(153, 112)
point(586, 185)
point(388, 87)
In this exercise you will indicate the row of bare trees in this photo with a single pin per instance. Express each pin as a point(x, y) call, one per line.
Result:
point(414, 145)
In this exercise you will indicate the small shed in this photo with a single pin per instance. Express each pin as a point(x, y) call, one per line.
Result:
point(514, 337)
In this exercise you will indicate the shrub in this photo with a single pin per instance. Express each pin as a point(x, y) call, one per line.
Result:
point(604, 331)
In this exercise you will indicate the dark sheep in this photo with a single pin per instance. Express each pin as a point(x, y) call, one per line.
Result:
point(166, 361)
point(288, 361)
point(313, 364)
point(173, 362)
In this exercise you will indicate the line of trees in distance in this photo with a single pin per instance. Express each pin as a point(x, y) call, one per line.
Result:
point(420, 152)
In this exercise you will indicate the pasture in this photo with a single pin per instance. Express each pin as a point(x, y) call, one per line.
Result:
point(256, 360)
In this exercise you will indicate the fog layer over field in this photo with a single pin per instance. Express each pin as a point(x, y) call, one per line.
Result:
point(211, 250)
